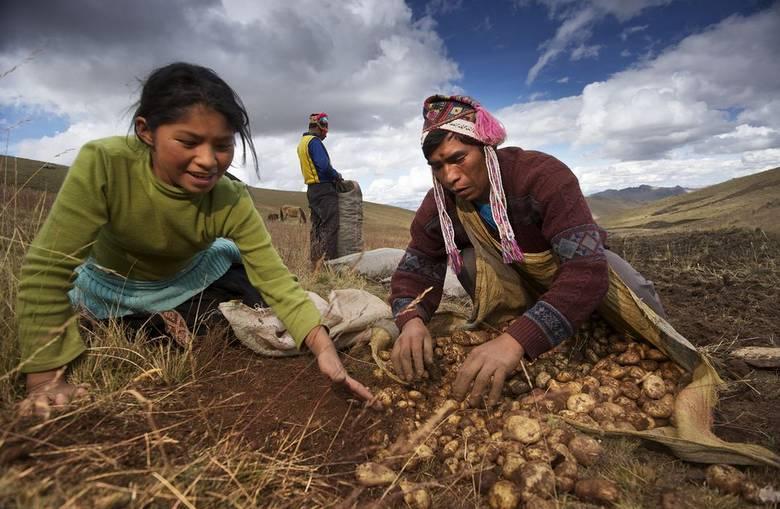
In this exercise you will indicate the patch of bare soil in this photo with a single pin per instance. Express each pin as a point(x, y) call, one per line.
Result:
point(721, 291)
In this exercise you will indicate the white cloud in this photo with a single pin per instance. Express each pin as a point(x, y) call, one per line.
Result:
point(682, 96)
point(356, 59)
point(700, 112)
point(632, 30)
point(541, 124)
point(61, 148)
point(435, 7)
point(743, 138)
point(366, 62)
point(578, 18)
point(583, 51)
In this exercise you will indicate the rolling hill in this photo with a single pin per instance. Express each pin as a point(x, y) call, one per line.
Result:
point(616, 201)
point(745, 202)
point(749, 202)
point(48, 177)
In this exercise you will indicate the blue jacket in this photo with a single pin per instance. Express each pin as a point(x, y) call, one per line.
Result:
point(315, 161)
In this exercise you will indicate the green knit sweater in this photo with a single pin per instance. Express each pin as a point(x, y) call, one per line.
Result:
point(112, 207)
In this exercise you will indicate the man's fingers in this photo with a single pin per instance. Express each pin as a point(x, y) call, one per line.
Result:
point(395, 357)
point(428, 350)
point(498, 384)
point(480, 385)
point(417, 357)
point(466, 374)
point(406, 361)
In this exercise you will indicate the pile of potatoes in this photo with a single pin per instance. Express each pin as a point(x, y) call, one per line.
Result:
point(517, 453)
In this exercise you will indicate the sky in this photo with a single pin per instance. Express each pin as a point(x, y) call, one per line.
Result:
point(625, 92)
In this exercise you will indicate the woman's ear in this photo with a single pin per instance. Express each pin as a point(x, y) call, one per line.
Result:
point(143, 131)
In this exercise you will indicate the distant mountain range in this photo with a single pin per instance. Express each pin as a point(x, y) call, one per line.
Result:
point(640, 194)
point(751, 202)
point(613, 202)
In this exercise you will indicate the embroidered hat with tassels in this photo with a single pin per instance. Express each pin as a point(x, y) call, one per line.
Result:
point(320, 119)
point(463, 115)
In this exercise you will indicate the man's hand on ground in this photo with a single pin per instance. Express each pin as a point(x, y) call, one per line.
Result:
point(487, 366)
point(413, 350)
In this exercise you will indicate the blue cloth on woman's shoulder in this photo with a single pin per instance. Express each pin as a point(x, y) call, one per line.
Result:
point(106, 294)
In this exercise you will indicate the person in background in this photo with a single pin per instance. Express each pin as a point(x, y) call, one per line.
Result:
point(517, 231)
point(322, 180)
point(152, 228)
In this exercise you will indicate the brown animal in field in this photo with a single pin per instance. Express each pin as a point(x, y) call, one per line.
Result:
point(288, 211)
point(273, 217)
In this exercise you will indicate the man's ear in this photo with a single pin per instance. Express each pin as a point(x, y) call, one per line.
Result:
point(143, 131)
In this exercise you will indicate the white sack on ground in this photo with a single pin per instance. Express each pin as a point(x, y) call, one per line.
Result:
point(349, 314)
point(380, 264)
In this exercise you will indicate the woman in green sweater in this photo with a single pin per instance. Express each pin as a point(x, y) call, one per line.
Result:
point(147, 223)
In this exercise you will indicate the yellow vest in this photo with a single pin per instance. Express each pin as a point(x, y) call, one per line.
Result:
point(309, 171)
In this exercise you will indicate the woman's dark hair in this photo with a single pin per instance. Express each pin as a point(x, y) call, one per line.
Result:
point(437, 136)
point(170, 90)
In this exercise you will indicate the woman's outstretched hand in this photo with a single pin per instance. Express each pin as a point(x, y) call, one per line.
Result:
point(48, 390)
point(330, 365)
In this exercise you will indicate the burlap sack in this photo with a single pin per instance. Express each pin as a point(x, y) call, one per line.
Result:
point(350, 234)
point(349, 315)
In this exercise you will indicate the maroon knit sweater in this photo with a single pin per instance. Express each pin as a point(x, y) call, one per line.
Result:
point(547, 210)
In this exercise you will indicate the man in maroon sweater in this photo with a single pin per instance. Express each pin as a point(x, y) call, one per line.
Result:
point(529, 202)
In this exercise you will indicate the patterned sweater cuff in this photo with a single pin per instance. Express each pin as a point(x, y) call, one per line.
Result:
point(540, 329)
point(403, 315)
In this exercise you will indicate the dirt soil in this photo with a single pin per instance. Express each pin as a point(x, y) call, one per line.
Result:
point(720, 291)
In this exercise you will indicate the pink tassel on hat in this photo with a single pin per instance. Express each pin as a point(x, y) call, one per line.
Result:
point(488, 128)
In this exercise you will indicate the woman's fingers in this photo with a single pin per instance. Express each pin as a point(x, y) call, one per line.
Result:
point(62, 398)
point(82, 391)
point(25, 407)
point(358, 389)
point(53, 396)
point(41, 406)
